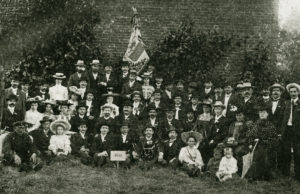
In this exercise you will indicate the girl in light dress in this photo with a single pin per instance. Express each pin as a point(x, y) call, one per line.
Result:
point(190, 156)
point(60, 144)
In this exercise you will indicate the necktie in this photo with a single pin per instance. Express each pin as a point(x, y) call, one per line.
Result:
point(177, 114)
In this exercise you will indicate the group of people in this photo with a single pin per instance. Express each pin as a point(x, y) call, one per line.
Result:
point(200, 128)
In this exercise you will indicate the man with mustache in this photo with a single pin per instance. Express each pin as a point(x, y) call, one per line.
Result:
point(10, 114)
point(14, 89)
point(248, 102)
point(42, 91)
point(75, 78)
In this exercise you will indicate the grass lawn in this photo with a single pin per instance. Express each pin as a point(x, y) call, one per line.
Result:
point(73, 177)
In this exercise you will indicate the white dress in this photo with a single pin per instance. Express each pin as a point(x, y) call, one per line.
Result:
point(60, 142)
point(58, 92)
point(228, 165)
point(34, 118)
point(191, 156)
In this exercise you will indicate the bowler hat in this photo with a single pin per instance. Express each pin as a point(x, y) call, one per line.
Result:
point(45, 119)
point(12, 97)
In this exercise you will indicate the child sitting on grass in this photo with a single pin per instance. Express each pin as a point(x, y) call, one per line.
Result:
point(60, 144)
point(214, 162)
point(228, 165)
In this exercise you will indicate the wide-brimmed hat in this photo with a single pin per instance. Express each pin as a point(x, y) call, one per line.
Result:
point(45, 119)
point(95, 62)
point(59, 76)
point(206, 102)
point(276, 85)
point(34, 100)
point(12, 97)
point(124, 123)
point(247, 85)
point(196, 135)
point(146, 75)
point(21, 123)
point(66, 125)
point(293, 85)
point(172, 128)
point(64, 103)
point(80, 63)
point(51, 102)
point(110, 93)
point(136, 93)
point(219, 104)
point(106, 106)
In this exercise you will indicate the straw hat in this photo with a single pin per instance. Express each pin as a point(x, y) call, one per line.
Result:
point(66, 125)
point(196, 135)
point(293, 85)
point(276, 85)
point(59, 76)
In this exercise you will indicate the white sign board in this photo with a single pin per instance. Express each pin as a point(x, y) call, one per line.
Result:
point(117, 155)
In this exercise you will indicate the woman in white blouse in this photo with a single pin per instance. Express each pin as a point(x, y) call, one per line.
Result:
point(190, 156)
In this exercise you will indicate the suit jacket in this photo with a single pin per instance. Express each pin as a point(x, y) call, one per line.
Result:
point(133, 122)
point(251, 112)
point(112, 81)
point(160, 109)
point(148, 150)
point(126, 89)
point(163, 129)
point(219, 130)
point(111, 122)
point(99, 146)
point(40, 139)
point(172, 151)
point(8, 118)
point(128, 145)
point(93, 83)
point(277, 117)
point(295, 119)
point(165, 98)
point(210, 94)
point(75, 121)
point(77, 142)
point(74, 80)
point(20, 105)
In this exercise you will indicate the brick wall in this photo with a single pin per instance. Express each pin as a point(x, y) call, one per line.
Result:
point(158, 17)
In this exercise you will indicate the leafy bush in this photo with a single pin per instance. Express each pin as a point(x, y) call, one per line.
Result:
point(55, 35)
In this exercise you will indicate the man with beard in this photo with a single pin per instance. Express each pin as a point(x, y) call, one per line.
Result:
point(14, 89)
point(19, 150)
point(81, 115)
point(93, 77)
point(132, 85)
point(124, 77)
point(10, 114)
point(248, 102)
point(106, 118)
point(127, 117)
point(107, 79)
point(169, 149)
point(42, 91)
point(151, 120)
point(25, 87)
point(41, 138)
point(167, 122)
point(74, 78)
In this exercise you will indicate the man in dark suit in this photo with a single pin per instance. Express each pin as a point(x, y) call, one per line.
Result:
point(158, 103)
point(194, 104)
point(230, 101)
point(75, 121)
point(74, 78)
point(132, 85)
point(106, 119)
point(102, 145)
point(41, 138)
point(167, 95)
point(208, 90)
point(167, 122)
point(126, 141)
point(123, 77)
point(107, 79)
point(248, 102)
point(11, 114)
point(93, 76)
point(150, 120)
point(290, 130)
point(20, 105)
point(81, 143)
point(179, 107)
point(170, 148)
point(42, 91)
point(127, 117)
point(219, 128)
